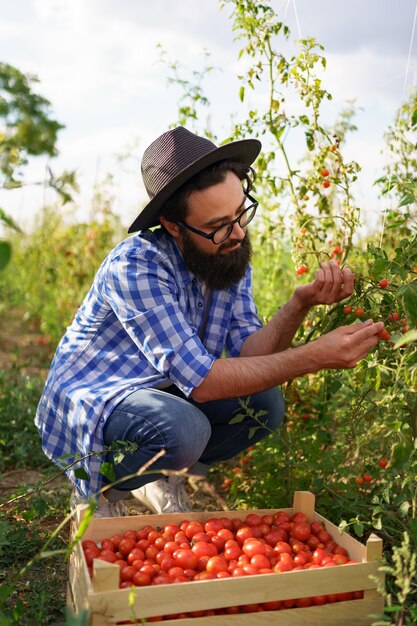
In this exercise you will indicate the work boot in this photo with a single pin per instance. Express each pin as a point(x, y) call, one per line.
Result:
point(166, 495)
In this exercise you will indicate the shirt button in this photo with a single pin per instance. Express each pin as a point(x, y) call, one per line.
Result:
point(132, 388)
point(200, 304)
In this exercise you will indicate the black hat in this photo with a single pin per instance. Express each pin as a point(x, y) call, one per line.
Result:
point(176, 156)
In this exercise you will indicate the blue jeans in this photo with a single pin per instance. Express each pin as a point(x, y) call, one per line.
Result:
point(194, 435)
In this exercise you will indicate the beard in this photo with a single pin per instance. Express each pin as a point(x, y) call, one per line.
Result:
point(221, 269)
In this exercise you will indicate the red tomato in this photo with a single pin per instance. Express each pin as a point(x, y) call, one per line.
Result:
point(227, 523)
point(171, 546)
point(134, 555)
point(203, 549)
point(383, 463)
point(90, 554)
point(171, 529)
point(232, 550)
point(282, 566)
point(273, 536)
point(107, 555)
point(298, 517)
point(193, 528)
point(319, 600)
point(226, 534)
point(347, 310)
point(216, 564)
point(316, 527)
point(126, 545)
point(367, 477)
point(252, 547)
point(244, 533)
point(281, 547)
point(253, 520)
point(359, 311)
point(88, 543)
point(318, 556)
point(260, 561)
point(107, 544)
point(131, 534)
point(323, 536)
point(273, 605)
point(127, 572)
point(384, 283)
point(301, 531)
point(215, 524)
point(187, 558)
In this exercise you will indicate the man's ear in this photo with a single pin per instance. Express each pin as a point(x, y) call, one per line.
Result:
point(171, 227)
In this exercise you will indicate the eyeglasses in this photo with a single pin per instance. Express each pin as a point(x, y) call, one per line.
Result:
point(221, 233)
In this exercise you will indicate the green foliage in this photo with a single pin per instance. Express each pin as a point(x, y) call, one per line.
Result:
point(57, 262)
point(19, 395)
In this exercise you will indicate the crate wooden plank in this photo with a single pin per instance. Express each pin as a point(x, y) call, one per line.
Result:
point(211, 594)
point(338, 614)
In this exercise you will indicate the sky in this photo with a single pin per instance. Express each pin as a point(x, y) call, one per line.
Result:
point(98, 63)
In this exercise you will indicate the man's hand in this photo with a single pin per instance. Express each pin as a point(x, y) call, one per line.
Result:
point(330, 285)
point(345, 346)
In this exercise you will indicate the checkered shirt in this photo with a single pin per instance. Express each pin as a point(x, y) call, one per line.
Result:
point(137, 328)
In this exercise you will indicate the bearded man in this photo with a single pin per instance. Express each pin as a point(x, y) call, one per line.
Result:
point(143, 362)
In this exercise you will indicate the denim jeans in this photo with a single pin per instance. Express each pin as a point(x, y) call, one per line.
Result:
point(194, 435)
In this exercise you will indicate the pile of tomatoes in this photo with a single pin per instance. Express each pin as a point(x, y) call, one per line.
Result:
point(223, 548)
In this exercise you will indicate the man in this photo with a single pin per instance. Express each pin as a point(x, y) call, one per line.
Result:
point(142, 361)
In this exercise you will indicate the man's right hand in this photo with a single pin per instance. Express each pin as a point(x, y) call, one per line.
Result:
point(343, 347)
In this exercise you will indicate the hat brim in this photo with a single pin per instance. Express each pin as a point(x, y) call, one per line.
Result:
point(244, 151)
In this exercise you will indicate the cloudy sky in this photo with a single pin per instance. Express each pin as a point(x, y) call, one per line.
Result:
point(99, 65)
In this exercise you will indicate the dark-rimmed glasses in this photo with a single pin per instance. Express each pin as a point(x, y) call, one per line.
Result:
point(221, 233)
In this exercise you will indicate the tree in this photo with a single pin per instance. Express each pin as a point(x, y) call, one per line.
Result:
point(27, 129)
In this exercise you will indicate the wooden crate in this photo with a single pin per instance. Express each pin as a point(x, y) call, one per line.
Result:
point(109, 605)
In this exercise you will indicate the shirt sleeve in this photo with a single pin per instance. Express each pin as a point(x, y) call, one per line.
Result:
point(143, 293)
point(245, 319)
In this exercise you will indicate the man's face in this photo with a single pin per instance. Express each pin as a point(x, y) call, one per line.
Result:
point(218, 265)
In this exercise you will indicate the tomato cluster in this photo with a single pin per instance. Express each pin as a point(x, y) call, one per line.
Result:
point(223, 548)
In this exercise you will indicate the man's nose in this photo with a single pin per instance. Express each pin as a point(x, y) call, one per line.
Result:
point(237, 232)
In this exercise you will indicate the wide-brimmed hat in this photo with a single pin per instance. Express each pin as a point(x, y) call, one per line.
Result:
point(176, 156)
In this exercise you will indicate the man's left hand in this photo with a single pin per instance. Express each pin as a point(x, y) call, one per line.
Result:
point(331, 285)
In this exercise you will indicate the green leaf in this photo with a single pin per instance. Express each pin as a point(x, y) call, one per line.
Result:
point(252, 431)
point(5, 253)
point(236, 419)
point(241, 94)
point(400, 453)
point(409, 198)
point(358, 528)
point(5, 592)
point(81, 473)
point(406, 339)
point(408, 294)
point(107, 470)
point(404, 508)
point(414, 117)
point(310, 140)
point(8, 221)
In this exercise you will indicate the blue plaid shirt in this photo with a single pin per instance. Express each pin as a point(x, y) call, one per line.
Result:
point(137, 328)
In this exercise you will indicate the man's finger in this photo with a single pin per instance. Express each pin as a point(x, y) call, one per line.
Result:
point(367, 329)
